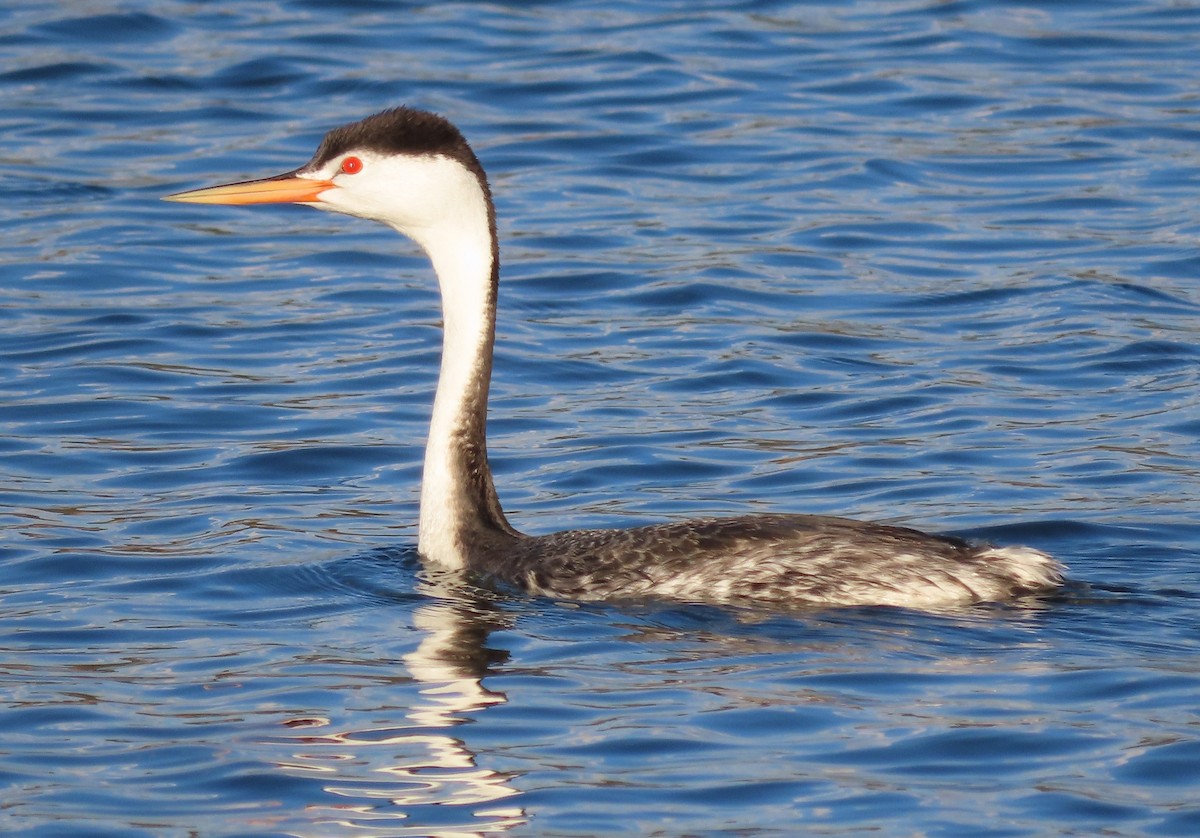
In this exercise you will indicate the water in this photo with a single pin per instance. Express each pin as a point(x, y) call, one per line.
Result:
point(910, 261)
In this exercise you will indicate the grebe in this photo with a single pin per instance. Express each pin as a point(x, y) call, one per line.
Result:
point(414, 171)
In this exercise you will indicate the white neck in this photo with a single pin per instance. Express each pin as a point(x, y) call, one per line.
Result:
point(459, 507)
point(459, 408)
point(444, 206)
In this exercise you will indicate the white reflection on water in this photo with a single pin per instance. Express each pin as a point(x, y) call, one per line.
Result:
point(387, 776)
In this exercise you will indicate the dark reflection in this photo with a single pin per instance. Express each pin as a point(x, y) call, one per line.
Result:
point(421, 779)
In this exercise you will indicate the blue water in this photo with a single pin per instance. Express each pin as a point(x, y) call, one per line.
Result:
point(911, 261)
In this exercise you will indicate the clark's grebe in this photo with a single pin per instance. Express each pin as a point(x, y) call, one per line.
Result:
point(416, 173)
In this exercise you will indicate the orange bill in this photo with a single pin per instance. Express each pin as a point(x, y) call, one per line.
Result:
point(284, 189)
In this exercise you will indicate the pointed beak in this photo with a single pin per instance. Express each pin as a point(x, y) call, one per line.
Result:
point(281, 189)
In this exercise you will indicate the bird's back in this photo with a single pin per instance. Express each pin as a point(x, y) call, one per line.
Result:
point(780, 559)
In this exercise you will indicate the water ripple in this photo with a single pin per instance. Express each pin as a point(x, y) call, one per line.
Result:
point(923, 262)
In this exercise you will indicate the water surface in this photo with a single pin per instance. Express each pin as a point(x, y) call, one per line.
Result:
point(932, 263)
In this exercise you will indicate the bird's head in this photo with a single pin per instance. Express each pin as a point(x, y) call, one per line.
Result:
point(410, 169)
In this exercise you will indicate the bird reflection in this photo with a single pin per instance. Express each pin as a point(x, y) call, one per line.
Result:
point(383, 776)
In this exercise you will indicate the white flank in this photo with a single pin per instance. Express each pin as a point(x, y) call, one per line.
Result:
point(1029, 567)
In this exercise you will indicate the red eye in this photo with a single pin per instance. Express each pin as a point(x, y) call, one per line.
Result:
point(352, 165)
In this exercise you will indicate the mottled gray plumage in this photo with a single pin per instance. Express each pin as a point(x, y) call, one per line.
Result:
point(777, 559)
